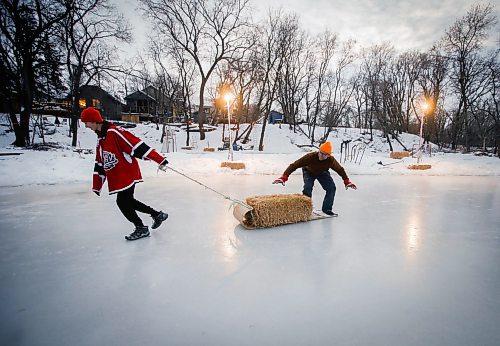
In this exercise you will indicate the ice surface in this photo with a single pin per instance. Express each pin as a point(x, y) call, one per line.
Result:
point(411, 260)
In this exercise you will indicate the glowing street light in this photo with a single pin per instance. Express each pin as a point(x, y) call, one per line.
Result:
point(228, 98)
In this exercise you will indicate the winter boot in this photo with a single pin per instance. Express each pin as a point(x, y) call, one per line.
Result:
point(158, 219)
point(138, 233)
point(329, 212)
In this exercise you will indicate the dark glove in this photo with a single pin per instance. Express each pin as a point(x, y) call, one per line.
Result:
point(281, 180)
point(163, 165)
point(348, 184)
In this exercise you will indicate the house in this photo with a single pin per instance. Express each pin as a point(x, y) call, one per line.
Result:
point(148, 104)
point(276, 117)
point(94, 96)
point(208, 114)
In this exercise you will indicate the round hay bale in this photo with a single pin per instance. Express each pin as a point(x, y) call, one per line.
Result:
point(233, 165)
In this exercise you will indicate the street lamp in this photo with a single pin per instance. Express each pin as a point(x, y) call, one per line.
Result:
point(228, 98)
point(425, 107)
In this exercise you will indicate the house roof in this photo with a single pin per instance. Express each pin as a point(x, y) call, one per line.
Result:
point(139, 95)
point(95, 87)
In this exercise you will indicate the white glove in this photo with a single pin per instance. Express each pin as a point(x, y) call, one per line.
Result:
point(163, 165)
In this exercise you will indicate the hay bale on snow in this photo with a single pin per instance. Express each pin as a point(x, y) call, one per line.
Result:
point(233, 165)
point(275, 210)
point(399, 154)
point(419, 167)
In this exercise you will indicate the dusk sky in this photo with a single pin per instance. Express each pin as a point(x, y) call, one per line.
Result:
point(408, 24)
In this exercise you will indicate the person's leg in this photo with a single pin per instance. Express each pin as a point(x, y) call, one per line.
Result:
point(143, 208)
point(327, 183)
point(158, 216)
point(308, 183)
point(126, 203)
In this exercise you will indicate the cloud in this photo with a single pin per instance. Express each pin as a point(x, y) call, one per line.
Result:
point(407, 24)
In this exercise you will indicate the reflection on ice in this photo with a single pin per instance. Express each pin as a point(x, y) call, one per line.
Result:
point(413, 238)
point(227, 243)
point(413, 229)
point(415, 221)
point(229, 247)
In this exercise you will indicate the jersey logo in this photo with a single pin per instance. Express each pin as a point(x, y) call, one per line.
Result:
point(109, 160)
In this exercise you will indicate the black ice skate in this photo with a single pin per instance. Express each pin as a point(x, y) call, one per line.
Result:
point(139, 232)
point(158, 219)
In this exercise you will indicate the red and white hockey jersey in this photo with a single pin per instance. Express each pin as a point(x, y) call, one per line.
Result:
point(116, 153)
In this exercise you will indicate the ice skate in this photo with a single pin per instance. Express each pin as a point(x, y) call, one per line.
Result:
point(158, 219)
point(139, 232)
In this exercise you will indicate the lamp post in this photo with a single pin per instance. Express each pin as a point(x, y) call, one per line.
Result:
point(228, 97)
point(425, 107)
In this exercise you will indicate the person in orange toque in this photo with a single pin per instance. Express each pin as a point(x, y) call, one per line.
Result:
point(116, 161)
point(316, 166)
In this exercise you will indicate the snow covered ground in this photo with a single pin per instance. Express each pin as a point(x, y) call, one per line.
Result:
point(411, 260)
point(281, 147)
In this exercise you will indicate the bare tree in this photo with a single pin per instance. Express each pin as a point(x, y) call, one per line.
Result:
point(482, 100)
point(326, 46)
point(240, 77)
point(493, 108)
point(185, 70)
point(374, 65)
point(243, 84)
point(462, 41)
point(431, 80)
point(209, 31)
point(309, 87)
point(359, 99)
point(401, 80)
point(86, 34)
point(237, 78)
point(340, 87)
point(172, 77)
point(269, 57)
point(26, 28)
point(291, 80)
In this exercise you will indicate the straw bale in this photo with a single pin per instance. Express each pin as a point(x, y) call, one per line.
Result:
point(420, 167)
point(399, 154)
point(209, 149)
point(233, 165)
point(275, 210)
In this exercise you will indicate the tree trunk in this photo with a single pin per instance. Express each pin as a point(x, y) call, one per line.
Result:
point(261, 141)
point(201, 114)
point(19, 140)
point(23, 131)
point(75, 115)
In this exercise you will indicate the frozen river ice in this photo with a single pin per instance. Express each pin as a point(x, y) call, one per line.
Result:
point(410, 261)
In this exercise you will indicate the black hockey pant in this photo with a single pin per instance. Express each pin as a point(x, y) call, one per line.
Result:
point(129, 206)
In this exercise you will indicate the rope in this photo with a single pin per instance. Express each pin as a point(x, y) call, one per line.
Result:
point(234, 201)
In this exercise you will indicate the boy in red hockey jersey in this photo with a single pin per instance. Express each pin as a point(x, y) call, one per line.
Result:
point(116, 153)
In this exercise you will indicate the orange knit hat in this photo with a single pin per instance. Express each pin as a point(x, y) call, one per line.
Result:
point(326, 148)
point(91, 115)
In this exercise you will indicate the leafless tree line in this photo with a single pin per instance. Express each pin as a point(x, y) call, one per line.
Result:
point(207, 47)
point(50, 47)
